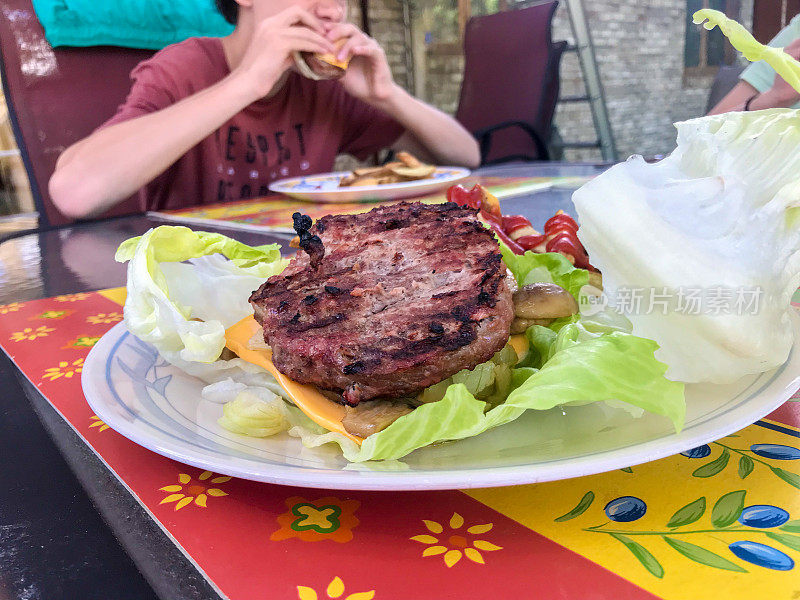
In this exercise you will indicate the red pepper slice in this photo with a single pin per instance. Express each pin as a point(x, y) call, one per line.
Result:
point(513, 222)
point(496, 225)
point(560, 222)
point(570, 237)
point(529, 242)
point(569, 246)
point(472, 198)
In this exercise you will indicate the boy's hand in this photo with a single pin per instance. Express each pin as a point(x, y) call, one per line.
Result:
point(269, 54)
point(368, 77)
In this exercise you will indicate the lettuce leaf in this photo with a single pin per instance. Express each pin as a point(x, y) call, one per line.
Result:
point(549, 267)
point(615, 367)
point(713, 222)
point(183, 309)
point(741, 39)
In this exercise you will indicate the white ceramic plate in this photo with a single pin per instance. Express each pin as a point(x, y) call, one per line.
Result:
point(159, 407)
point(325, 187)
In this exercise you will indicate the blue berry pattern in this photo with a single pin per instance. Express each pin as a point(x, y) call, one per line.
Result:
point(626, 509)
point(699, 452)
point(776, 451)
point(763, 516)
point(762, 555)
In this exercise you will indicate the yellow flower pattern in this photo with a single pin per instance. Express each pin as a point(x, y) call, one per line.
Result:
point(52, 314)
point(9, 308)
point(456, 546)
point(97, 422)
point(82, 341)
point(100, 318)
point(186, 492)
point(30, 333)
point(72, 297)
point(64, 369)
point(334, 590)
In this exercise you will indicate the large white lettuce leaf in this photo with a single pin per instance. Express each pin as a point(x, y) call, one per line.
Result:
point(718, 215)
point(183, 308)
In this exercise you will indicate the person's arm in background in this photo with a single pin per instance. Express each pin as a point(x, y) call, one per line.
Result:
point(111, 164)
point(755, 86)
point(429, 133)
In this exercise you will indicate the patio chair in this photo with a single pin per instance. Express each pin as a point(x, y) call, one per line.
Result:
point(57, 96)
point(511, 81)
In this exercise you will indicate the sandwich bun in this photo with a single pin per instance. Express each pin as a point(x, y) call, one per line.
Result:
point(321, 66)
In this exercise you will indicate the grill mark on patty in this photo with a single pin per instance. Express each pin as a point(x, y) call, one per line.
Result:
point(432, 301)
point(297, 326)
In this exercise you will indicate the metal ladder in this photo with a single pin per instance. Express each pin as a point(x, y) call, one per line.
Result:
point(591, 81)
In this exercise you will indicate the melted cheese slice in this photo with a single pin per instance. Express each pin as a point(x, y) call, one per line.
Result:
point(331, 58)
point(307, 398)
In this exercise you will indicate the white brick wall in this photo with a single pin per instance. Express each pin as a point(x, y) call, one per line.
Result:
point(639, 47)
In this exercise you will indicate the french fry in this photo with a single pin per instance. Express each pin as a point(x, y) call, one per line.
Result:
point(367, 171)
point(412, 173)
point(362, 181)
point(408, 160)
point(406, 168)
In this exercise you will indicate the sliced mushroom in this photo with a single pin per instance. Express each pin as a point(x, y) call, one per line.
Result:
point(373, 416)
point(521, 325)
point(544, 301)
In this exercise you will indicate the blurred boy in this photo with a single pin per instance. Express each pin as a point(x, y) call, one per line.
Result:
point(760, 86)
point(215, 119)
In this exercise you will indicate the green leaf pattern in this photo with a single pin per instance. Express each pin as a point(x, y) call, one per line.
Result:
point(581, 507)
point(746, 466)
point(689, 513)
point(792, 479)
point(791, 526)
point(642, 554)
point(728, 508)
point(723, 517)
point(792, 541)
point(702, 556)
point(715, 466)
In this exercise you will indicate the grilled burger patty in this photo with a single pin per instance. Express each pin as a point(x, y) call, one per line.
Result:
point(387, 303)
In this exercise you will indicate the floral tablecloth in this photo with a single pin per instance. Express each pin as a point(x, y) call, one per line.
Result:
point(721, 520)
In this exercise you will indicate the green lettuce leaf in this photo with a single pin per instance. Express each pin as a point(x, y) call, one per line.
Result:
point(549, 267)
point(184, 308)
point(741, 39)
point(615, 367)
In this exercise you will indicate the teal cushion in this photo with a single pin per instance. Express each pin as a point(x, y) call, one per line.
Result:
point(131, 23)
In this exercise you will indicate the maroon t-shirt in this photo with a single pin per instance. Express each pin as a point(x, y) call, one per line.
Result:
point(298, 131)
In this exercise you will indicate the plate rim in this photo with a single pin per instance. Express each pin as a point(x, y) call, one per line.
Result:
point(279, 185)
point(566, 468)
